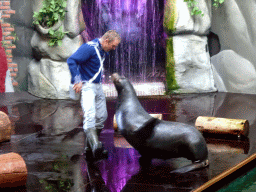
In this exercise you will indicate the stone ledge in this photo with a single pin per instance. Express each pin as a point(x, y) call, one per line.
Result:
point(141, 89)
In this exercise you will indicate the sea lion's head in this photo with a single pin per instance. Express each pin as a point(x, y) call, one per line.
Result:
point(115, 77)
point(117, 80)
point(121, 83)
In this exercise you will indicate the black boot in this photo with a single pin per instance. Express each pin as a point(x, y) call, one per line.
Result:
point(94, 148)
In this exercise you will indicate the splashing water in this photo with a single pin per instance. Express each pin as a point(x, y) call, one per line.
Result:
point(140, 57)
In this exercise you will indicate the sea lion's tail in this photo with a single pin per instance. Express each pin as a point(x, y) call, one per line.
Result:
point(196, 165)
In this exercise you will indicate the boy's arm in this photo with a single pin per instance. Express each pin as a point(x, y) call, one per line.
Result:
point(81, 56)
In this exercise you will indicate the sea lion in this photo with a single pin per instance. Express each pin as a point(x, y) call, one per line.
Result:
point(154, 138)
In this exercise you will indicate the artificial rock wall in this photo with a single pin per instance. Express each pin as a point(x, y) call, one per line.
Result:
point(188, 60)
point(49, 75)
point(234, 66)
point(189, 66)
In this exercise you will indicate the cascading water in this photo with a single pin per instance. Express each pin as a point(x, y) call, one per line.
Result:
point(140, 57)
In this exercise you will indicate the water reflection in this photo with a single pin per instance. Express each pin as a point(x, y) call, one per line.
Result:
point(57, 116)
point(96, 182)
point(48, 135)
point(117, 175)
point(238, 106)
point(61, 179)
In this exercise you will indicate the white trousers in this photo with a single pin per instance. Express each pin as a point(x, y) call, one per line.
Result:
point(93, 102)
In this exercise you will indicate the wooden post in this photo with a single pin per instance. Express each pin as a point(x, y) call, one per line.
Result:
point(222, 125)
point(159, 116)
point(13, 170)
point(5, 127)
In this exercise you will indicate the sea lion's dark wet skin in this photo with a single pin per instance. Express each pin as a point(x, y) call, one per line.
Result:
point(154, 138)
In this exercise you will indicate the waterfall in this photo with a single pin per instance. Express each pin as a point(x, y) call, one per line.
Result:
point(140, 57)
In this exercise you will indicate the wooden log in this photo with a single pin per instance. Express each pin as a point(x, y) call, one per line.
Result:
point(222, 125)
point(159, 116)
point(13, 170)
point(5, 127)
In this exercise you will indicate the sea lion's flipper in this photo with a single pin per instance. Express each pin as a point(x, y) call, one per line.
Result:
point(146, 130)
point(192, 167)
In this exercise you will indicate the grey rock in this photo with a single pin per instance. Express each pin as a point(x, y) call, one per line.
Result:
point(193, 69)
point(49, 75)
point(74, 22)
point(57, 53)
point(234, 23)
point(193, 24)
point(49, 79)
point(237, 73)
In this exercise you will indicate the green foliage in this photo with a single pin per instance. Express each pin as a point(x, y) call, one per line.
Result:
point(56, 36)
point(51, 12)
point(196, 11)
point(217, 3)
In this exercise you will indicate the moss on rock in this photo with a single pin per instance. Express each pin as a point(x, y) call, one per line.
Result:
point(170, 16)
point(170, 66)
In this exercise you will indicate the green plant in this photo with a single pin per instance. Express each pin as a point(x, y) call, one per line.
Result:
point(52, 12)
point(217, 3)
point(56, 36)
point(196, 11)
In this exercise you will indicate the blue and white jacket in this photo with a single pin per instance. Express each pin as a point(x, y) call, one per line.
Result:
point(85, 64)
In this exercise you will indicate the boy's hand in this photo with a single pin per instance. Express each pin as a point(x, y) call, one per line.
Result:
point(78, 87)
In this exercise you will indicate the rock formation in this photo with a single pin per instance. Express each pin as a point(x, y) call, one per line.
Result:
point(188, 60)
point(49, 75)
point(234, 23)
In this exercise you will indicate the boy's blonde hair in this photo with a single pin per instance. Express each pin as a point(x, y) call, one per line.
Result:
point(111, 35)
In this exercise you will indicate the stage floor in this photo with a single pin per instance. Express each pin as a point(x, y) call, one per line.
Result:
point(48, 135)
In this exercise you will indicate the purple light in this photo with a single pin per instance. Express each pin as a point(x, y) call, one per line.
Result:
point(139, 22)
